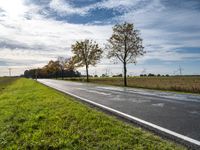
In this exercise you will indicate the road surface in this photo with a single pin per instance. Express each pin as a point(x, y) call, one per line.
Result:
point(177, 112)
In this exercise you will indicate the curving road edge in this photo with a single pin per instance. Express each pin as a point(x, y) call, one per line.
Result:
point(187, 141)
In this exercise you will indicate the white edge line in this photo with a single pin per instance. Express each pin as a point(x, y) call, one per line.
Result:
point(134, 118)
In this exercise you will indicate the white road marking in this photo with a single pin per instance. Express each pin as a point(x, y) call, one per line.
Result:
point(180, 136)
point(93, 91)
point(158, 105)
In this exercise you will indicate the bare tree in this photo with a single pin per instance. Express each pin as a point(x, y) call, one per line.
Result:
point(86, 53)
point(66, 64)
point(125, 45)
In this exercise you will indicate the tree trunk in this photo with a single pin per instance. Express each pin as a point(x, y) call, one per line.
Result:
point(87, 73)
point(36, 75)
point(125, 71)
point(62, 74)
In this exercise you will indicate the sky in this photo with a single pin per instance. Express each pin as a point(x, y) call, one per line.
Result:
point(32, 32)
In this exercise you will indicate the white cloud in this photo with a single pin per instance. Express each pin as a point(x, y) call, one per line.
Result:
point(63, 7)
point(112, 4)
point(13, 9)
point(41, 39)
point(166, 29)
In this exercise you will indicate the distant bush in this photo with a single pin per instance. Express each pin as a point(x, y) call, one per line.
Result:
point(104, 75)
point(118, 75)
point(151, 75)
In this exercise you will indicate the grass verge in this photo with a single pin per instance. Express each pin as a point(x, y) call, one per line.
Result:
point(4, 82)
point(177, 84)
point(33, 116)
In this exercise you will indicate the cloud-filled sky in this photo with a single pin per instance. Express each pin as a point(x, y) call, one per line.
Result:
point(32, 32)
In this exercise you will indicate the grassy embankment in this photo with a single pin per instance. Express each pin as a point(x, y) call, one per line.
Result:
point(5, 81)
point(33, 116)
point(180, 84)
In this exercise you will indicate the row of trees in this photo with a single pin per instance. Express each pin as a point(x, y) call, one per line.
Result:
point(153, 75)
point(124, 46)
point(54, 69)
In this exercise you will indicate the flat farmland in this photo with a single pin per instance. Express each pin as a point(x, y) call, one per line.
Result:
point(176, 83)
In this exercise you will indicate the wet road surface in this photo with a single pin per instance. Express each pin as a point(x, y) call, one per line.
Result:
point(177, 112)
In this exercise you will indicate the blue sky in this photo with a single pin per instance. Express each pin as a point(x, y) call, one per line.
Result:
point(32, 32)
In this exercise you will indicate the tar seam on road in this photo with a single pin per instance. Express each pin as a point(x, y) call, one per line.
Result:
point(135, 119)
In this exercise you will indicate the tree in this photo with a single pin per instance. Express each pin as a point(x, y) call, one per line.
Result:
point(66, 64)
point(151, 75)
point(53, 68)
point(70, 64)
point(86, 53)
point(125, 45)
point(62, 64)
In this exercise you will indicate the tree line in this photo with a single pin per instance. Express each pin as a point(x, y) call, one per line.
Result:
point(124, 46)
point(62, 67)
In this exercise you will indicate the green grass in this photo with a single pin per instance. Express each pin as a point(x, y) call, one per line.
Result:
point(5, 81)
point(33, 116)
point(179, 84)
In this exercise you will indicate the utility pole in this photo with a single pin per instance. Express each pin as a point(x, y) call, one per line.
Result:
point(180, 70)
point(9, 69)
point(36, 74)
point(107, 71)
point(144, 71)
point(95, 73)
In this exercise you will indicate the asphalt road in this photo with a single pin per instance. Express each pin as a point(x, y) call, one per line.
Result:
point(177, 112)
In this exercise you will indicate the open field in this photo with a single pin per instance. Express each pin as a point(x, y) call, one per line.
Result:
point(33, 116)
point(181, 84)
